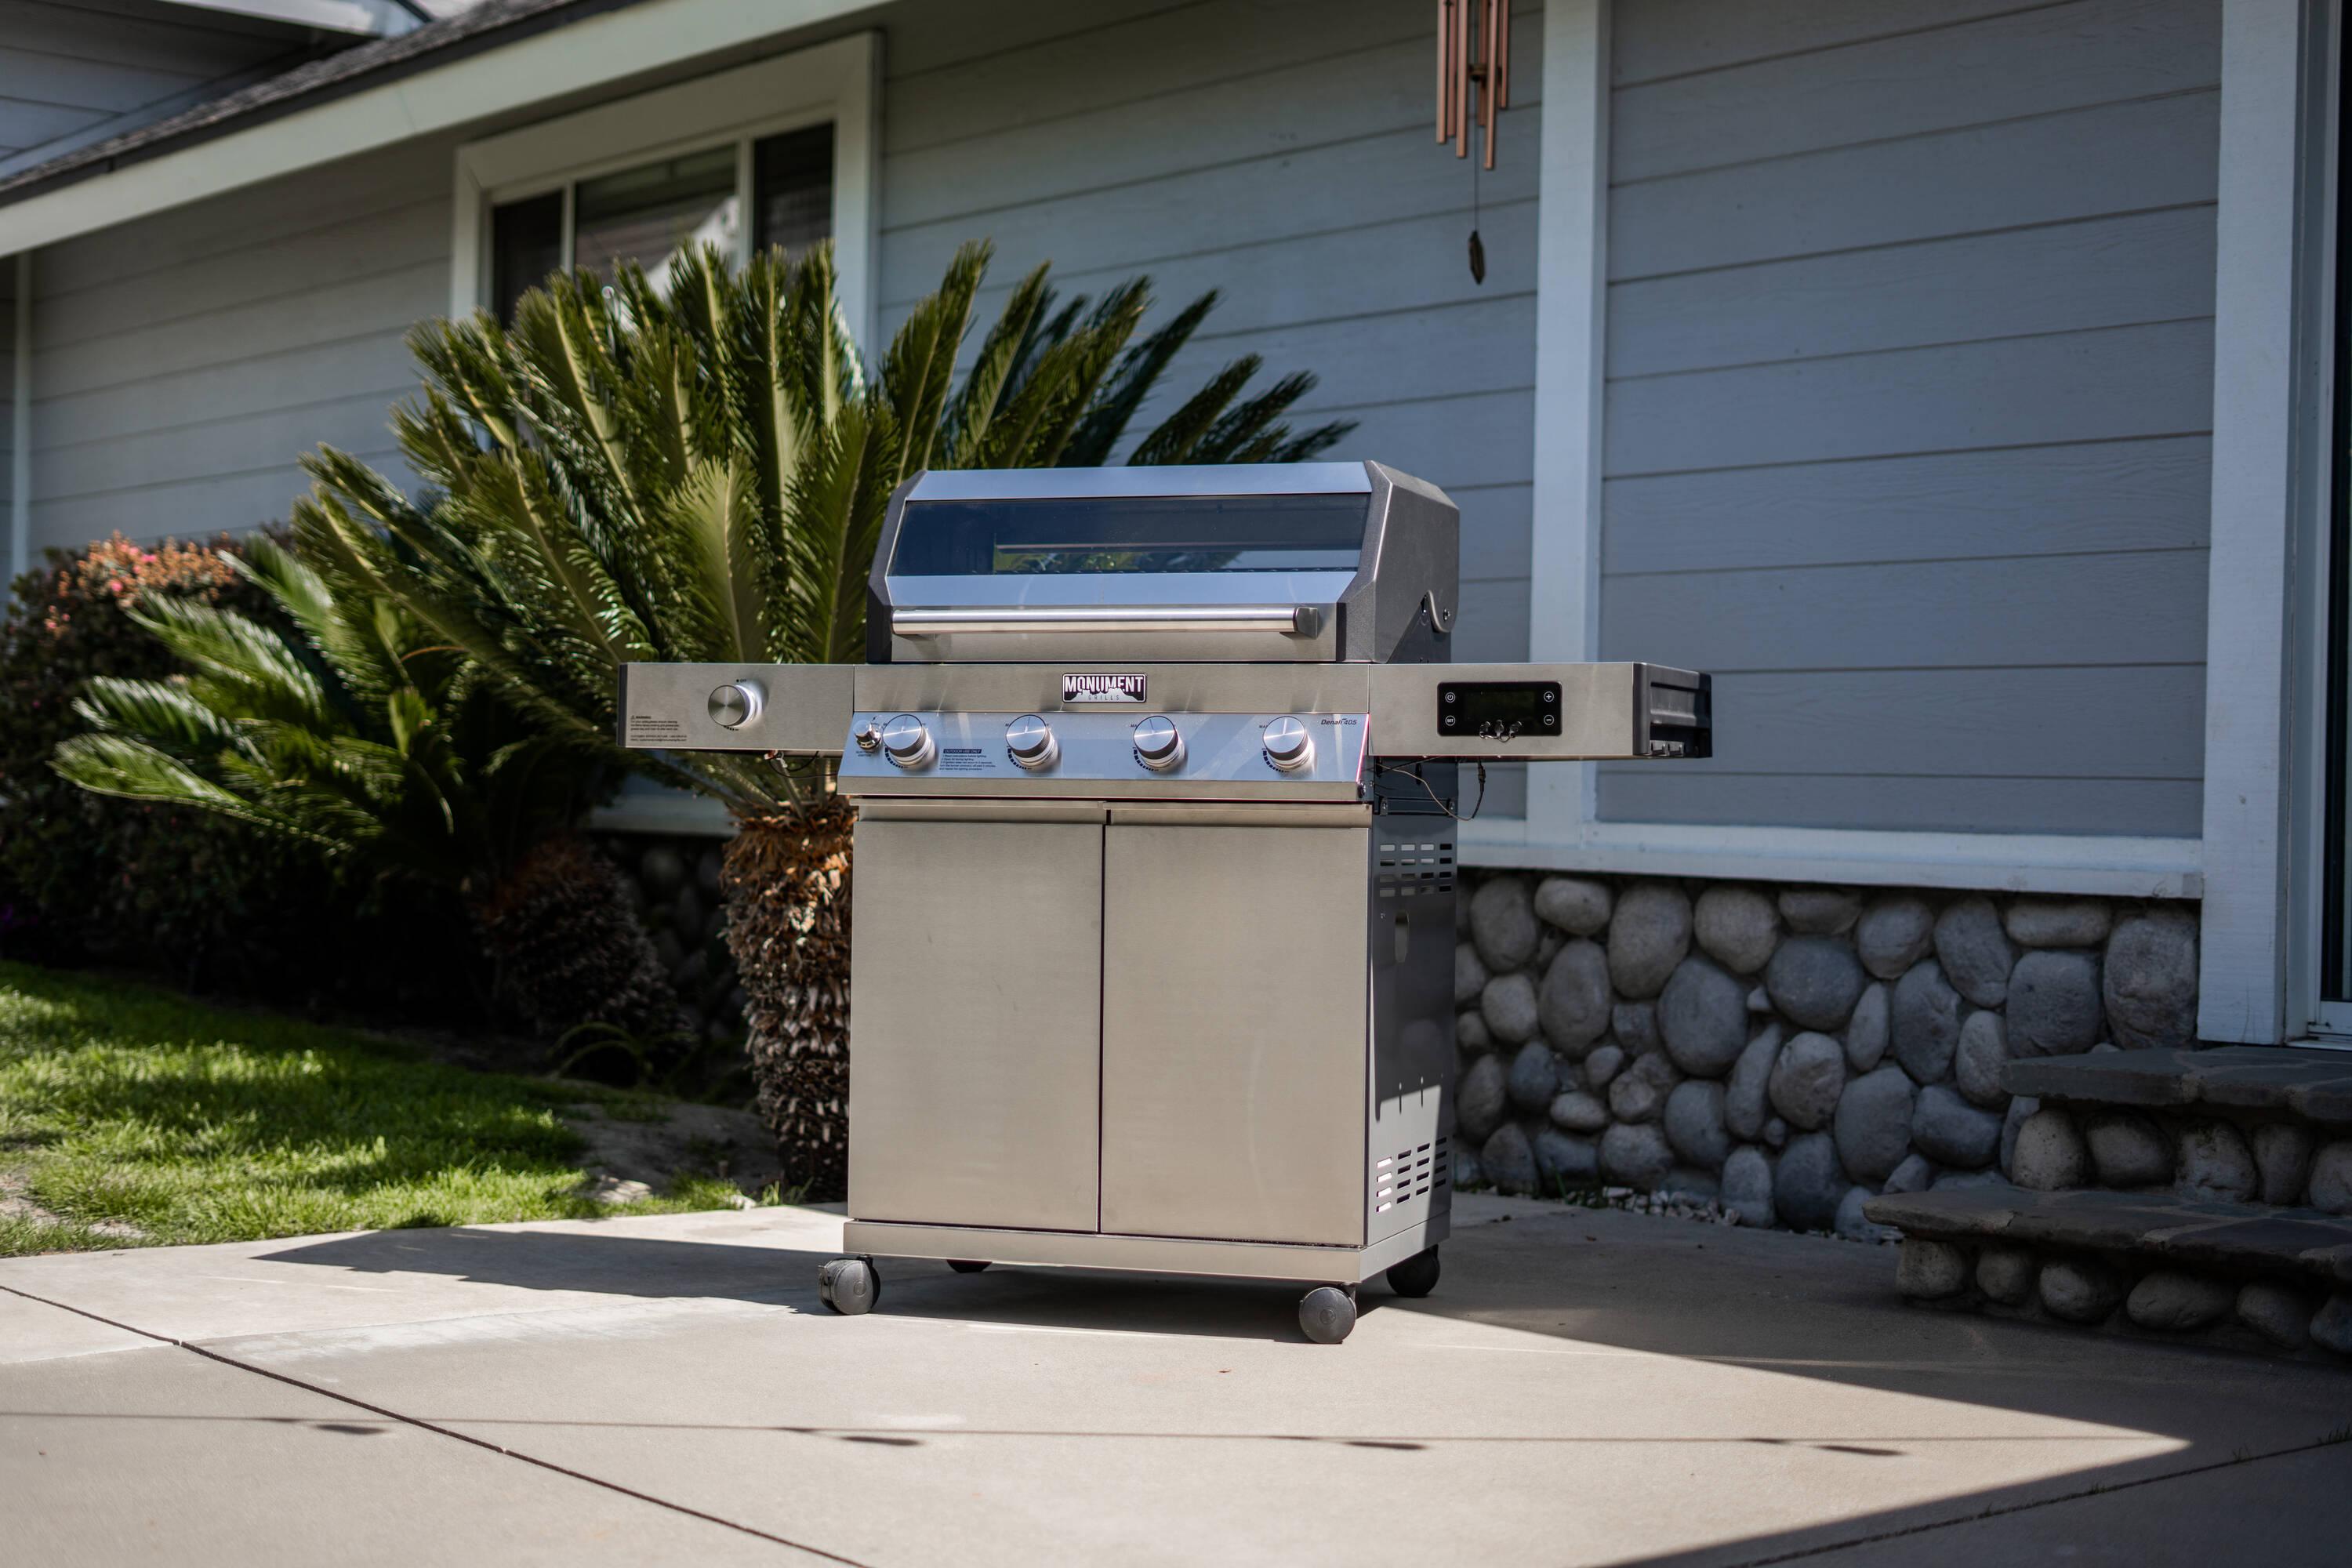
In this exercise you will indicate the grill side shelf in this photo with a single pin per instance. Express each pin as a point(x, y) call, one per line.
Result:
point(1675, 710)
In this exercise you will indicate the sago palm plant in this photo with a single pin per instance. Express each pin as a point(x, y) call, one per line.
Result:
point(362, 735)
point(698, 471)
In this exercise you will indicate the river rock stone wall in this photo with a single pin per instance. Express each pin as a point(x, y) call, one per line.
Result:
point(1785, 1051)
point(673, 880)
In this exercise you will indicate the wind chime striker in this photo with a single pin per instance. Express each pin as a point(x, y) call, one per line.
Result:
point(1474, 82)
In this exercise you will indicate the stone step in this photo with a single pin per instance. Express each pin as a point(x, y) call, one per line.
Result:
point(2272, 1081)
point(2251, 1275)
point(2242, 1124)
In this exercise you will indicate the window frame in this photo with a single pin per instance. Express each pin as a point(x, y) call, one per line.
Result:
point(837, 82)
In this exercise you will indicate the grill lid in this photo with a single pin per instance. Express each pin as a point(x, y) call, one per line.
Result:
point(1260, 563)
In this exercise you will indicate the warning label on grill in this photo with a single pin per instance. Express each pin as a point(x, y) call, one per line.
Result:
point(1102, 689)
point(652, 730)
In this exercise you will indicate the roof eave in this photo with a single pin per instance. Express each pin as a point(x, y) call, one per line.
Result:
point(545, 56)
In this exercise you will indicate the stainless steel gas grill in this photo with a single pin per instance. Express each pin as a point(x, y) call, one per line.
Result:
point(1155, 771)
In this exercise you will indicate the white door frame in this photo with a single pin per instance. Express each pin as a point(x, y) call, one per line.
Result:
point(2308, 1012)
point(2272, 394)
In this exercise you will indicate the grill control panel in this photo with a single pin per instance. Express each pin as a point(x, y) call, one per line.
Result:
point(1498, 710)
point(1262, 748)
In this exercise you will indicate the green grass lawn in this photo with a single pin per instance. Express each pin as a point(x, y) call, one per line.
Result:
point(138, 1118)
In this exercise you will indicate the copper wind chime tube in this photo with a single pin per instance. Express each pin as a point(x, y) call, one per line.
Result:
point(1469, 87)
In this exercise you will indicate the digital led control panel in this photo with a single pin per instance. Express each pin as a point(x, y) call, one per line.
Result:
point(1498, 710)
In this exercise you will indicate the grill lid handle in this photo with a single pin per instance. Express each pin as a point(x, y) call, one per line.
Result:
point(1295, 620)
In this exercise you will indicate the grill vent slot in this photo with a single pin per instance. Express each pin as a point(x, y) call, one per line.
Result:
point(1410, 1174)
point(1406, 870)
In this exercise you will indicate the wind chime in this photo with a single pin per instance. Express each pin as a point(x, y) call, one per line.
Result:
point(1474, 82)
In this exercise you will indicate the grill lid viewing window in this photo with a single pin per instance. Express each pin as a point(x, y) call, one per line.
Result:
point(1092, 535)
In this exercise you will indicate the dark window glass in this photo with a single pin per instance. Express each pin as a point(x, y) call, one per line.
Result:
point(526, 244)
point(646, 215)
point(791, 188)
point(2335, 932)
point(1150, 533)
point(649, 213)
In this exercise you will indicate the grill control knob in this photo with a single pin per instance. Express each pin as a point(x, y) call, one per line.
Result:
point(868, 736)
point(1159, 744)
point(907, 742)
point(1031, 741)
point(1289, 746)
point(736, 705)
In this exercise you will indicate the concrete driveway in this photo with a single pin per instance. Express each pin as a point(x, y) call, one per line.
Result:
point(1584, 1387)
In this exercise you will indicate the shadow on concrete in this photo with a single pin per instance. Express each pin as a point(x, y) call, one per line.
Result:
point(1790, 1305)
point(607, 1263)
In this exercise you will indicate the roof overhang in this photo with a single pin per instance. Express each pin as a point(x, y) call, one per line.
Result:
point(608, 47)
point(362, 18)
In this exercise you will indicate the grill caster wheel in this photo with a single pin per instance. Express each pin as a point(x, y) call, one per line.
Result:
point(1416, 1276)
point(966, 1265)
point(850, 1286)
point(1326, 1314)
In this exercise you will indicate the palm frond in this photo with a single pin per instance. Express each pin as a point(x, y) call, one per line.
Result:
point(163, 714)
point(919, 369)
point(254, 674)
point(1176, 438)
point(992, 373)
point(696, 470)
point(1097, 435)
point(133, 770)
point(837, 507)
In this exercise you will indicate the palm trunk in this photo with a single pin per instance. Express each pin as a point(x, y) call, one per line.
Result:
point(787, 883)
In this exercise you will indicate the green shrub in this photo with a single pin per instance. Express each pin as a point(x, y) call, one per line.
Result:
point(87, 879)
point(351, 732)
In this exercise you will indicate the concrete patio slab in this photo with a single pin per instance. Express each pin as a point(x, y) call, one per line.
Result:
point(154, 1455)
point(1584, 1387)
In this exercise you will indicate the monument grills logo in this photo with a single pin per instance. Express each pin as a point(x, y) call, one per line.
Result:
point(1102, 689)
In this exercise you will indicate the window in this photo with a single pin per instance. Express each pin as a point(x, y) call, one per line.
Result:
point(649, 213)
point(777, 153)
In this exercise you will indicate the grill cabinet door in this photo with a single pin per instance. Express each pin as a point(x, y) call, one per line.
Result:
point(1234, 1067)
point(974, 999)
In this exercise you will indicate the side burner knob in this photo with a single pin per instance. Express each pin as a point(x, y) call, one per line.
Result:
point(1030, 742)
point(908, 743)
point(1288, 745)
point(1159, 744)
point(737, 704)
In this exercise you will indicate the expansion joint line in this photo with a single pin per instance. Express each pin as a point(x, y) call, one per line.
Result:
point(2001, 1511)
point(440, 1431)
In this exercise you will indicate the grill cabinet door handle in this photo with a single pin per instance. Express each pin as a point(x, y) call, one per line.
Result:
point(1300, 620)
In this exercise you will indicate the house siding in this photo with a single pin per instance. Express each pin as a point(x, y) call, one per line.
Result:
point(1908, 335)
point(183, 363)
point(66, 68)
point(1908, 404)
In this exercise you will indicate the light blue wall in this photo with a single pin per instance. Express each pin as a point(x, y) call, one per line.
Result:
point(183, 361)
point(1908, 337)
point(1909, 391)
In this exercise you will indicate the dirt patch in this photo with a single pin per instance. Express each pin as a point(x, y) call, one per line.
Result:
point(630, 1157)
point(16, 1206)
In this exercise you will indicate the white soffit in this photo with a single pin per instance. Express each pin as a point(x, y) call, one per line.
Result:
point(367, 18)
point(586, 54)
